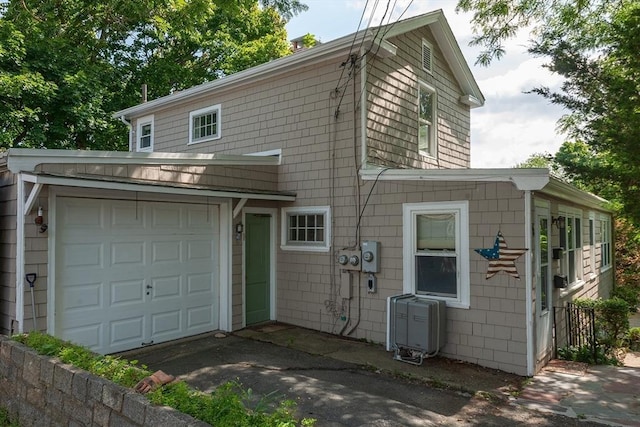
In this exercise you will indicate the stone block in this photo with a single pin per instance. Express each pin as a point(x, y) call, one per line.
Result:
point(31, 369)
point(117, 420)
point(101, 415)
point(76, 409)
point(62, 378)
point(134, 407)
point(79, 385)
point(113, 396)
point(46, 372)
point(94, 388)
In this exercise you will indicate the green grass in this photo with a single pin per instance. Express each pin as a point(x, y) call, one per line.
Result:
point(6, 420)
point(229, 405)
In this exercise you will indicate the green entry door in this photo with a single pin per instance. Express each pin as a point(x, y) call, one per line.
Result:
point(257, 267)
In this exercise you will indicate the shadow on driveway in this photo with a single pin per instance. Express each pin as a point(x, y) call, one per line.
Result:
point(340, 393)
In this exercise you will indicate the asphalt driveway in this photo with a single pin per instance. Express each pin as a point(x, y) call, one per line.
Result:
point(336, 392)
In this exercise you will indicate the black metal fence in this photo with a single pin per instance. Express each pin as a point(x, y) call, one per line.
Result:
point(574, 326)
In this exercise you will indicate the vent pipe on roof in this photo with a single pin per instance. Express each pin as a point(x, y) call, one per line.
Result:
point(144, 93)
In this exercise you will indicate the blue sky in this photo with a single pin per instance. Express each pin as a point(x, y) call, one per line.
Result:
point(511, 125)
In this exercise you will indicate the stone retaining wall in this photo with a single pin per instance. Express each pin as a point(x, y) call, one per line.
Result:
point(43, 391)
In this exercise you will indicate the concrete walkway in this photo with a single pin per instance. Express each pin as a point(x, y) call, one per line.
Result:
point(604, 394)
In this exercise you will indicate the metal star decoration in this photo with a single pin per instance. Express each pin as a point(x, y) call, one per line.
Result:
point(501, 258)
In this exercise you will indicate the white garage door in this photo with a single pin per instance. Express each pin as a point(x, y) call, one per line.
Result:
point(133, 273)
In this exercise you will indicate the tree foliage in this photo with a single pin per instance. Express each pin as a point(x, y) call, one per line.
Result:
point(594, 45)
point(67, 65)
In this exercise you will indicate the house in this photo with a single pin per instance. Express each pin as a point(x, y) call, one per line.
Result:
point(253, 198)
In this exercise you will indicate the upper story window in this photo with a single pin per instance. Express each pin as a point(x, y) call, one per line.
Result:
point(426, 120)
point(571, 241)
point(204, 124)
point(605, 242)
point(306, 228)
point(144, 134)
point(436, 251)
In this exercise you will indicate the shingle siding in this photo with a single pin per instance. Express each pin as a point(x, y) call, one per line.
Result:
point(392, 116)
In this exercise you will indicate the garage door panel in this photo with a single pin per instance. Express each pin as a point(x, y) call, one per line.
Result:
point(168, 324)
point(167, 216)
point(89, 335)
point(199, 318)
point(126, 293)
point(199, 250)
point(84, 297)
point(166, 251)
point(82, 216)
point(102, 275)
point(87, 255)
point(128, 253)
point(127, 332)
point(166, 287)
point(127, 216)
point(197, 284)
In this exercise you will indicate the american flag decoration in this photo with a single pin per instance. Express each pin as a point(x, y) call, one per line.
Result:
point(501, 258)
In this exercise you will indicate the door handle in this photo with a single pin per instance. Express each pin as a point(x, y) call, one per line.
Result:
point(149, 287)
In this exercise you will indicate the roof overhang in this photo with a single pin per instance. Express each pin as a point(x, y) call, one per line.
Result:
point(128, 184)
point(523, 179)
point(26, 159)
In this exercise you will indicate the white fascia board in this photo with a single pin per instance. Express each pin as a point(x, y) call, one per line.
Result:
point(272, 68)
point(562, 190)
point(523, 179)
point(26, 160)
point(150, 188)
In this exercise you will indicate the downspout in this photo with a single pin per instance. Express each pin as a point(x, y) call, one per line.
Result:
point(20, 255)
point(363, 110)
point(528, 281)
point(130, 127)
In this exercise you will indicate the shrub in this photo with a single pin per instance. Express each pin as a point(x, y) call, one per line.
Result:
point(585, 354)
point(6, 420)
point(633, 339)
point(628, 294)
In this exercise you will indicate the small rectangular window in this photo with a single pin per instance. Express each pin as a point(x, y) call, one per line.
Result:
point(571, 241)
point(426, 120)
point(144, 134)
point(306, 228)
point(204, 124)
point(605, 244)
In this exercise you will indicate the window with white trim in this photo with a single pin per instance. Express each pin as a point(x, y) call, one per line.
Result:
point(204, 124)
point(144, 134)
point(605, 242)
point(436, 251)
point(426, 120)
point(306, 228)
point(571, 241)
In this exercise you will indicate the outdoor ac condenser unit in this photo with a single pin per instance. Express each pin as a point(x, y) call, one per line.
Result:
point(418, 327)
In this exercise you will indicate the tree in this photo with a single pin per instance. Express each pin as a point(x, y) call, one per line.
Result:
point(593, 44)
point(65, 65)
